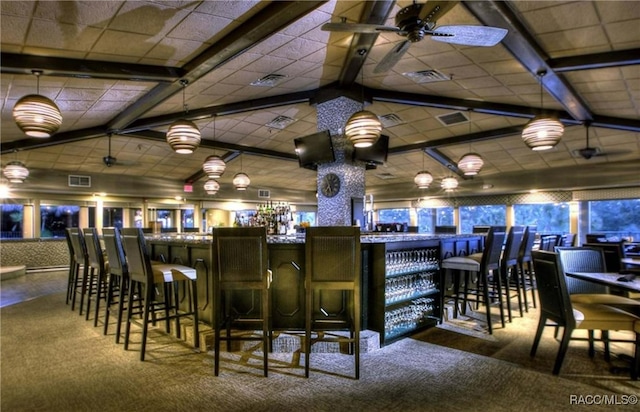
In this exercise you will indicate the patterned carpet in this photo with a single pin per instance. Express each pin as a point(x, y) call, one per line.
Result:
point(53, 360)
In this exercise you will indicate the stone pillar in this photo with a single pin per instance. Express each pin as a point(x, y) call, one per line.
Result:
point(336, 210)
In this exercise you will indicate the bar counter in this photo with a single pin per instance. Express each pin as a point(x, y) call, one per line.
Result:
point(400, 275)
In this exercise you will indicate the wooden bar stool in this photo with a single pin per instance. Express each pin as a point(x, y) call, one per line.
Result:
point(97, 282)
point(81, 261)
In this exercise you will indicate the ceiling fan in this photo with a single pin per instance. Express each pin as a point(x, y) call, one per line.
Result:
point(109, 160)
point(589, 152)
point(417, 21)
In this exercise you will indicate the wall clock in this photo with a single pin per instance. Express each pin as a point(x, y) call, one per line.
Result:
point(330, 185)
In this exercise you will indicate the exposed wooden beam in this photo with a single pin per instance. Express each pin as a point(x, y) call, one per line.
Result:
point(595, 61)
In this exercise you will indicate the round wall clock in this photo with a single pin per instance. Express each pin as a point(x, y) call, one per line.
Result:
point(330, 185)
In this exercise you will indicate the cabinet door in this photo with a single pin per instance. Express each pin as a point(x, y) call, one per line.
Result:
point(287, 290)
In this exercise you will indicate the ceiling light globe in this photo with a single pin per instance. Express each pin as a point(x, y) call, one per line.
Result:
point(241, 181)
point(211, 187)
point(363, 128)
point(37, 116)
point(183, 136)
point(449, 183)
point(15, 172)
point(470, 164)
point(542, 133)
point(423, 179)
point(214, 166)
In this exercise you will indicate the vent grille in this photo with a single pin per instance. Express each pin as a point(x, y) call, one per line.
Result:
point(79, 181)
point(391, 119)
point(263, 193)
point(269, 80)
point(280, 122)
point(426, 76)
point(453, 118)
point(385, 176)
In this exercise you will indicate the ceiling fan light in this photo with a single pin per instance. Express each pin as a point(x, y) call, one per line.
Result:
point(37, 116)
point(471, 164)
point(241, 181)
point(183, 136)
point(211, 187)
point(542, 133)
point(214, 166)
point(15, 172)
point(449, 183)
point(423, 179)
point(363, 128)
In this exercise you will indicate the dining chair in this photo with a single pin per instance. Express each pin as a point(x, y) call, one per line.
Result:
point(486, 265)
point(241, 283)
point(556, 307)
point(97, 281)
point(332, 289)
point(157, 282)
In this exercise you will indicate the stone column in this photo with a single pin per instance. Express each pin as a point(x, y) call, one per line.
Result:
point(336, 210)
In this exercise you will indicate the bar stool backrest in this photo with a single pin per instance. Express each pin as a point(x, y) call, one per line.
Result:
point(512, 247)
point(492, 250)
point(333, 253)
point(242, 256)
point(529, 238)
point(138, 260)
point(79, 246)
point(94, 250)
point(115, 251)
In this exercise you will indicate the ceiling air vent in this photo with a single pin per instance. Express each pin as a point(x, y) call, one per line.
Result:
point(263, 193)
point(426, 76)
point(280, 122)
point(269, 80)
point(385, 176)
point(391, 119)
point(450, 119)
point(79, 181)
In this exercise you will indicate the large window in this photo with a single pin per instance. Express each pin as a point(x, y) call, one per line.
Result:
point(617, 219)
point(308, 217)
point(486, 215)
point(11, 224)
point(187, 219)
point(55, 219)
point(400, 215)
point(112, 217)
point(426, 219)
point(546, 217)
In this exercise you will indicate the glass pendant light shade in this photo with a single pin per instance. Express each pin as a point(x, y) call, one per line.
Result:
point(16, 172)
point(363, 128)
point(183, 136)
point(241, 181)
point(470, 164)
point(214, 166)
point(37, 116)
point(449, 183)
point(211, 186)
point(542, 133)
point(423, 179)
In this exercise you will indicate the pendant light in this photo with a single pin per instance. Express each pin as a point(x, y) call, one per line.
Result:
point(211, 186)
point(544, 131)
point(449, 183)
point(183, 135)
point(213, 165)
point(470, 163)
point(36, 115)
point(241, 180)
point(363, 128)
point(15, 172)
point(423, 178)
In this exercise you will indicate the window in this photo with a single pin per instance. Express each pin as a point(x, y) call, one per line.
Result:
point(11, 224)
point(309, 217)
point(426, 218)
point(55, 219)
point(112, 217)
point(546, 217)
point(393, 215)
point(445, 216)
point(186, 218)
point(617, 219)
point(486, 215)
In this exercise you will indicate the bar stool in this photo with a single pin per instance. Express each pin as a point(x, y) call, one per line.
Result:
point(509, 267)
point(118, 277)
point(241, 269)
point(97, 282)
point(157, 280)
point(525, 265)
point(484, 264)
point(332, 285)
point(81, 260)
point(74, 268)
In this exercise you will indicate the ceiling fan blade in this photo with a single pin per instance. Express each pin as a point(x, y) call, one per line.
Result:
point(393, 57)
point(357, 28)
point(432, 10)
point(470, 35)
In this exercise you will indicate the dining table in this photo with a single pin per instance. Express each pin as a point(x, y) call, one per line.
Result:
point(631, 261)
point(624, 282)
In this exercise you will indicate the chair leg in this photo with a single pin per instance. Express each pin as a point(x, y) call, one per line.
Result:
point(604, 335)
point(356, 325)
point(516, 277)
point(145, 321)
point(127, 327)
point(196, 320)
point(121, 296)
point(592, 350)
point(635, 367)
point(485, 291)
point(504, 277)
point(89, 292)
point(265, 332)
point(218, 327)
point(564, 345)
point(536, 340)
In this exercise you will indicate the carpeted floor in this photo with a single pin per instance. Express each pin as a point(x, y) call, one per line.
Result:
point(53, 360)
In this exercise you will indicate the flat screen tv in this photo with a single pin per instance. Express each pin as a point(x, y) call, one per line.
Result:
point(314, 149)
point(375, 154)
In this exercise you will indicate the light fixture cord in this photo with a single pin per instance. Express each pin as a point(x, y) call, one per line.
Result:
point(184, 105)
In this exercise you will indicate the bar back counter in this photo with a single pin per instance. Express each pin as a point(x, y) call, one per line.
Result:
point(403, 287)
